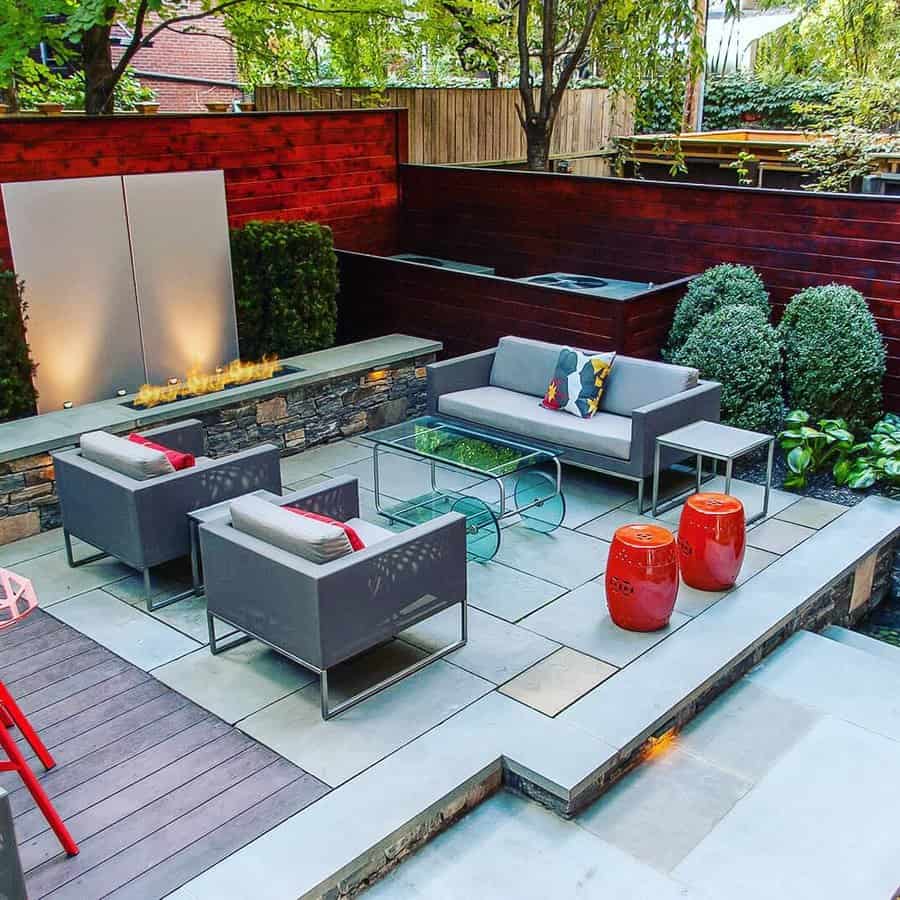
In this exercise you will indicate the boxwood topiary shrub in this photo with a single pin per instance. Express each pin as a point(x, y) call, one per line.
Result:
point(738, 347)
point(722, 285)
point(285, 285)
point(17, 393)
point(834, 357)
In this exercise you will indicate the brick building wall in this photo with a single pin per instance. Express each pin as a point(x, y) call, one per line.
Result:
point(203, 54)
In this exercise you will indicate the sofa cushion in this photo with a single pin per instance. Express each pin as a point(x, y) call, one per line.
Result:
point(123, 456)
point(577, 383)
point(356, 542)
point(316, 541)
point(521, 414)
point(523, 365)
point(634, 383)
point(178, 459)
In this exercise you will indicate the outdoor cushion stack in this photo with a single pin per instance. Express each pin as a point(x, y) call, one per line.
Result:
point(315, 538)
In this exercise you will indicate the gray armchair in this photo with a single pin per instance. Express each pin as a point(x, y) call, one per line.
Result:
point(322, 614)
point(144, 523)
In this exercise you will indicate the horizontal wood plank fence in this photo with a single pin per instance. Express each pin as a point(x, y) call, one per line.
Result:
point(470, 125)
point(337, 168)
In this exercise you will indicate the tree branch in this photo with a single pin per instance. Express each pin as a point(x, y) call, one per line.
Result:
point(575, 58)
point(525, 91)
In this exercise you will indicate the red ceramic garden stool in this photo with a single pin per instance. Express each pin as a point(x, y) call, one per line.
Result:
point(712, 538)
point(642, 577)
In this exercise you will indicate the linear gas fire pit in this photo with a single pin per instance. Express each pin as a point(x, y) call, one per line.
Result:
point(197, 384)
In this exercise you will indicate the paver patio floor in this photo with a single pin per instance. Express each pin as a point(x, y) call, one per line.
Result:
point(540, 640)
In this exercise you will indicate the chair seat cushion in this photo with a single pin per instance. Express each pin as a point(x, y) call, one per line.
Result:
point(319, 542)
point(356, 542)
point(124, 456)
point(178, 459)
point(523, 415)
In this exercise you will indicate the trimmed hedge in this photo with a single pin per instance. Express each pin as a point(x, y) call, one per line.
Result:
point(17, 394)
point(834, 356)
point(738, 347)
point(720, 286)
point(285, 285)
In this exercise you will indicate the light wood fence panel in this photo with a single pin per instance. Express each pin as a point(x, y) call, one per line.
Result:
point(470, 125)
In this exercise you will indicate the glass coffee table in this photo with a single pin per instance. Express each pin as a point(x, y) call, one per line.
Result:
point(511, 469)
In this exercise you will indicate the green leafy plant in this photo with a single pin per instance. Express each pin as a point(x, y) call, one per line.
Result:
point(741, 166)
point(721, 286)
point(879, 459)
point(736, 346)
point(838, 160)
point(70, 92)
point(785, 103)
point(834, 356)
point(811, 447)
point(285, 285)
point(17, 394)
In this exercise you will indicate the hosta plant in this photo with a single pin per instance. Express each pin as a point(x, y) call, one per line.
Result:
point(879, 458)
point(811, 446)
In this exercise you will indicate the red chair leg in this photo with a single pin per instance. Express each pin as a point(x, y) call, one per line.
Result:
point(6, 720)
point(17, 763)
point(12, 712)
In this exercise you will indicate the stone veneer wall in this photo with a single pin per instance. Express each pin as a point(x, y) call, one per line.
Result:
point(294, 419)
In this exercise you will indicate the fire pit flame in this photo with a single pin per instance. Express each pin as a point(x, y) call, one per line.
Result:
point(197, 383)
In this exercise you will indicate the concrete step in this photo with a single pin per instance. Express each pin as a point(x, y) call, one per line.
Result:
point(863, 642)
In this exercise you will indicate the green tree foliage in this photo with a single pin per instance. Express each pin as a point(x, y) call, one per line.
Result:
point(834, 356)
point(285, 286)
point(838, 160)
point(17, 393)
point(834, 38)
point(737, 347)
point(721, 286)
point(70, 92)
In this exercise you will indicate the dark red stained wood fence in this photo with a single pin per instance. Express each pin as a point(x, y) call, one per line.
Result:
point(470, 312)
point(338, 168)
point(525, 223)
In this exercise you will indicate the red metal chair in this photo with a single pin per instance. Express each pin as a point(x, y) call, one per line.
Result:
point(17, 600)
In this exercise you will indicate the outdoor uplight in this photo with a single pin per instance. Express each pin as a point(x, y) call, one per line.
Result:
point(173, 381)
point(121, 392)
point(67, 404)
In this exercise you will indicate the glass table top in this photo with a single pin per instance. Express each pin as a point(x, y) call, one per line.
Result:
point(431, 437)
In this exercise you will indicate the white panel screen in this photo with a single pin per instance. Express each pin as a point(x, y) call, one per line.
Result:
point(70, 246)
point(182, 269)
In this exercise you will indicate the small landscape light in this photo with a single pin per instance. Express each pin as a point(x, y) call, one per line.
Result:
point(219, 370)
point(173, 381)
point(121, 392)
point(67, 404)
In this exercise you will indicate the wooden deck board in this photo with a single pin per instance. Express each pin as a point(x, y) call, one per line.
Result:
point(154, 788)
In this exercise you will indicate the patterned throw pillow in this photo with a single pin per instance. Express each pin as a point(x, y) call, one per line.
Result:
point(577, 384)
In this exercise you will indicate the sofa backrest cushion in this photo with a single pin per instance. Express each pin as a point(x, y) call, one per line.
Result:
point(123, 456)
point(634, 383)
point(523, 365)
point(316, 541)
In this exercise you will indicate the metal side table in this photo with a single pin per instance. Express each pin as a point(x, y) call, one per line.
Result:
point(713, 441)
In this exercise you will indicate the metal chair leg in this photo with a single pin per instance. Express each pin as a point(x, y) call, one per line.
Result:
point(70, 558)
point(153, 605)
point(329, 712)
point(215, 647)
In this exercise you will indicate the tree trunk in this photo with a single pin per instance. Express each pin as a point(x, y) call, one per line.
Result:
point(537, 140)
point(99, 82)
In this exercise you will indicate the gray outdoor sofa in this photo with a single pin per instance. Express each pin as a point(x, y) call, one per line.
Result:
point(320, 614)
point(499, 391)
point(143, 523)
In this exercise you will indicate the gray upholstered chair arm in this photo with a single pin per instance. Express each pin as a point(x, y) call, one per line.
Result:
point(337, 498)
point(459, 374)
point(185, 436)
point(650, 421)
